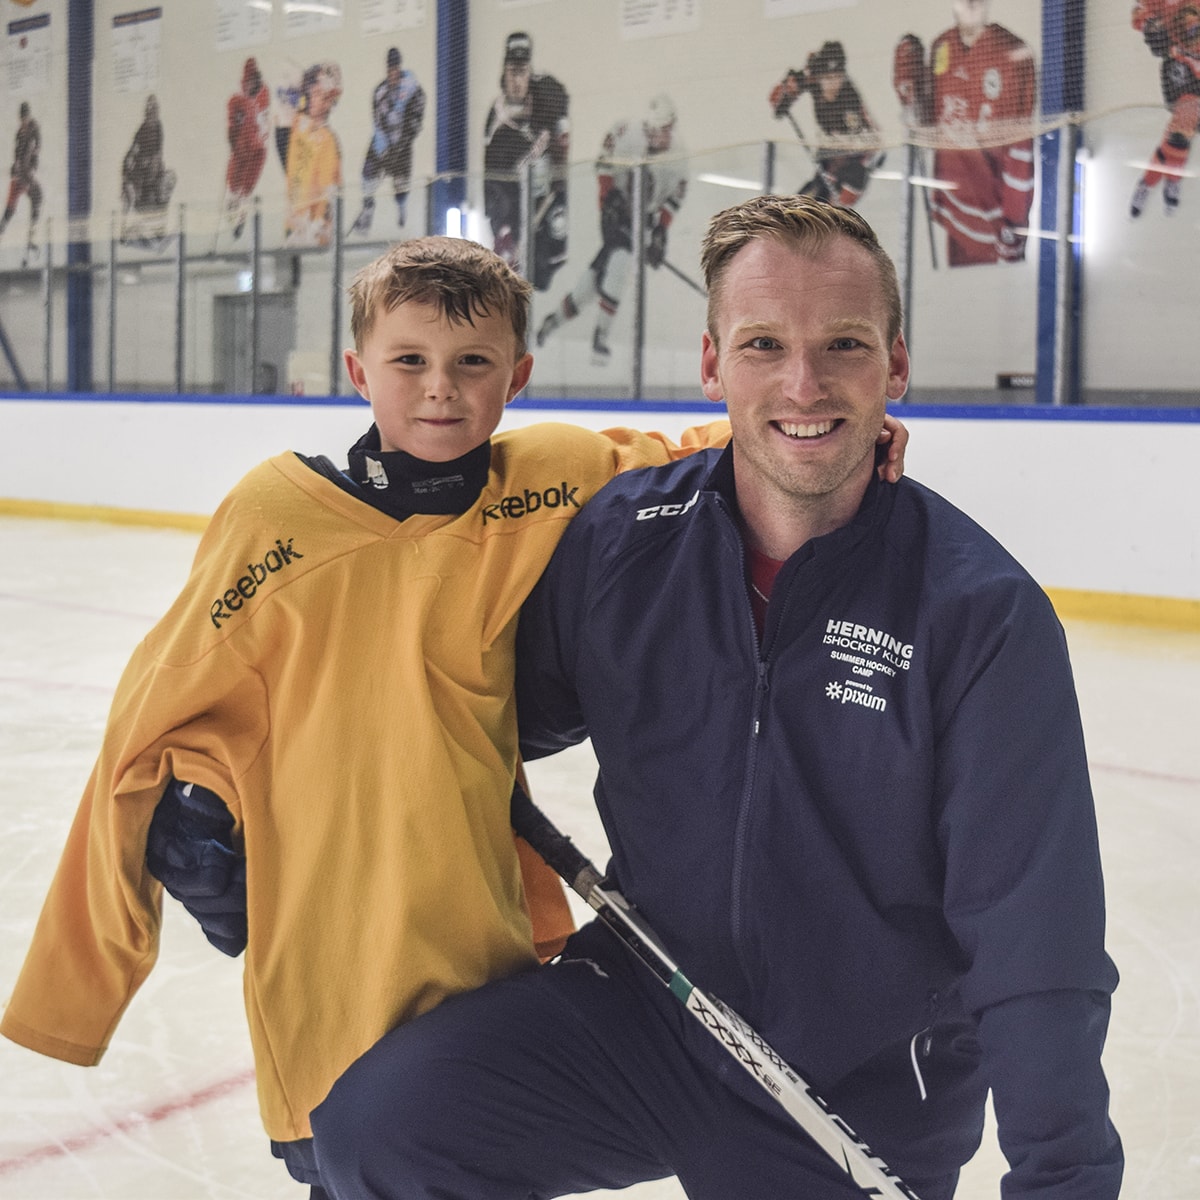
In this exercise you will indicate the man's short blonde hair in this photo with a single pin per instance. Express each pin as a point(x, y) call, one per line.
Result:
point(798, 221)
point(462, 279)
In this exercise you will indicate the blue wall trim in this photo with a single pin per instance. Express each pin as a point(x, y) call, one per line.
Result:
point(450, 186)
point(1062, 91)
point(906, 412)
point(81, 44)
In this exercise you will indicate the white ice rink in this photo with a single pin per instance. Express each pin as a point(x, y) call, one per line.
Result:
point(171, 1112)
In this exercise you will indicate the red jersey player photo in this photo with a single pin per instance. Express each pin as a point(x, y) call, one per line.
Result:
point(248, 122)
point(974, 100)
point(1171, 30)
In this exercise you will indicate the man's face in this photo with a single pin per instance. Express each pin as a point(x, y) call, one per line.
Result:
point(830, 84)
point(658, 138)
point(516, 82)
point(970, 16)
point(437, 389)
point(805, 366)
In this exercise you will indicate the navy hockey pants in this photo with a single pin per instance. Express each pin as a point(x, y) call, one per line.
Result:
point(588, 1074)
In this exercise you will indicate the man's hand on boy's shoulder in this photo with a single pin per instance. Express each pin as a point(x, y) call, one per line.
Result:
point(894, 435)
point(190, 850)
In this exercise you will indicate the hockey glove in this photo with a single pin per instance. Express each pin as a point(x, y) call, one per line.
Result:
point(190, 850)
point(656, 248)
point(1156, 37)
point(784, 93)
point(1010, 243)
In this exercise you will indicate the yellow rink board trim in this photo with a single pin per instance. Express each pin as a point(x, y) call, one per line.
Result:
point(97, 512)
point(1070, 604)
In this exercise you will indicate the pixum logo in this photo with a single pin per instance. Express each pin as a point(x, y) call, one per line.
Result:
point(855, 693)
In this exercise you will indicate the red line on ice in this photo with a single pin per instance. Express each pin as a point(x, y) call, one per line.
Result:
point(1145, 773)
point(85, 1140)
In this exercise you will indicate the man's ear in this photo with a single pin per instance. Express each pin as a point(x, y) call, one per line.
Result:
point(898, 369)
point(520, 377)
point(710, 375)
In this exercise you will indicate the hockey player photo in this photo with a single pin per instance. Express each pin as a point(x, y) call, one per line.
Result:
point(652, 140)
point(247, 123)
point(398, 111)
point(851, 148)
point(973, 98)
point(1171, 30)
point(313, 158)
point(146, 183)
point(527, 133)
point(23, 178)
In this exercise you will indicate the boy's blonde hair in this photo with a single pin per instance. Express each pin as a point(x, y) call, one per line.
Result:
point(462, 279)
point(800, 221)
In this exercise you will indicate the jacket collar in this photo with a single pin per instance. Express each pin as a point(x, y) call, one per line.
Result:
point(874, 508)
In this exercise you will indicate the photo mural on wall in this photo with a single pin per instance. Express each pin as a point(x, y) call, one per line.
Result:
point(651, 139)
point(23, 181)
point(1171, 31)
point(527, 129)
point(310, 153)
point(843, 120)
point(397, 115)
point(248, 127)
point(973, 98)
point(146, 182)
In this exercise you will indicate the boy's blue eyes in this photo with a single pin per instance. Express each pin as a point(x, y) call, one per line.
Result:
point(417, 360)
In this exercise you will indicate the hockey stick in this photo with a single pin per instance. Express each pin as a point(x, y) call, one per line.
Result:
point(800, 134)
point(686, 278)
point(867, 1171)
point(920, 157)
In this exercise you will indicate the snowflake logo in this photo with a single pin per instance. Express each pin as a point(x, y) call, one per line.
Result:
point(833, 691)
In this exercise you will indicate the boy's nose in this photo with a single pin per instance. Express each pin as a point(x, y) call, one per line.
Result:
point(440, 384)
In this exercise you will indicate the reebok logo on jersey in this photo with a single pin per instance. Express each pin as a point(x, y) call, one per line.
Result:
point(666, 510)
point(275, 559)
point(531, 501)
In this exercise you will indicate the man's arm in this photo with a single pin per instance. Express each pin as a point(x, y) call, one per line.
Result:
point(1042, 1057)
point(1023, 890)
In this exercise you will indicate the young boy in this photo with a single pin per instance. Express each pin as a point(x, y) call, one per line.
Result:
point(337, 674)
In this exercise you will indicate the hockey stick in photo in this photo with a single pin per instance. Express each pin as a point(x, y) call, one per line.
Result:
point(686, 278)
point(800, 134)
point(933, 255)
point(866, 1170)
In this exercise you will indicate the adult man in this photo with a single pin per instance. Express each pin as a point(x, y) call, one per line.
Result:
point(843, 777)
point(627, 146)
point(844, 169)
point(977, 92)
point(398, 111)
point(527, 132)
point(23, 175)
point(1171, 30)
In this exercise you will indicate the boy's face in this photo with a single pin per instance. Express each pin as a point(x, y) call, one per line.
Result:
point(437, 389)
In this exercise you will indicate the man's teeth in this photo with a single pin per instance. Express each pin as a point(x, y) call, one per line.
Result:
point(805, 431)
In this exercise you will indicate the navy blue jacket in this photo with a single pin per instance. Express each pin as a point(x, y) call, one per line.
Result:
point(872, 823)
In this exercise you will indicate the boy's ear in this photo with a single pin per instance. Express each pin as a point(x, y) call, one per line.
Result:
point(358, 376)
point(520, 376)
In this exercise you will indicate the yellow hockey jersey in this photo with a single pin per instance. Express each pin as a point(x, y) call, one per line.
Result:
point(344, 682)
